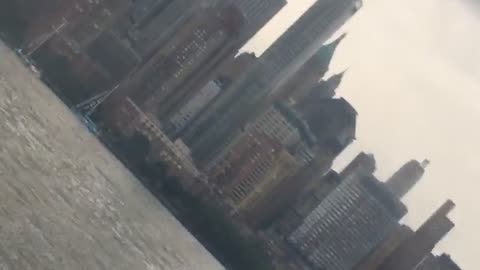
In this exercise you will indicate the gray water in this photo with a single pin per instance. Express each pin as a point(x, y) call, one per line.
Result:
point(66, 202)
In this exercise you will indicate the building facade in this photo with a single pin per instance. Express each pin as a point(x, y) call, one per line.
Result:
point(294, 216)
point(309, 73)
point(277, 123)
point(195, 105)
point(249, 170)
point(412, 251)
point(385, 248)
point(196, 44)
point(322, 185)
point(442, 262)
point(305, 37)
point(279, 62)
point(257, 13)
point(228, 72)
point(323, 89)
point(348, 224)
point(402, 181)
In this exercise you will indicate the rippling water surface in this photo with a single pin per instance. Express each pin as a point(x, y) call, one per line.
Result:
point(66, 202)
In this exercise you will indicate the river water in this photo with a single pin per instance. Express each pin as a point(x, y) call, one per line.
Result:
point(65, 202)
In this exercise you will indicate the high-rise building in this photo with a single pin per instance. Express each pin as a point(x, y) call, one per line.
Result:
point(281, 122)
point(306, 36)
point(362, 165)
point(319, 189)
point(235, 67)
point(196, 43)
point(284, 57)
point(348, 224)
point(332, 121)
point(144, 11)
point(249, 170)
point(191, 109)
point(318, 91)
point(94, 18)
point(251, 151)
point(333, 127)
point(383, 250)
point(310, 72)
point(228, 72)
point(442, 262)
point(294, 216)
point(139, 32)
point(284, 165)
point(257, 13)
point(412, 251)
point(402, 181)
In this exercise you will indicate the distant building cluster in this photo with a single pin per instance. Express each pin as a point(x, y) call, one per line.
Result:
point(256, 134)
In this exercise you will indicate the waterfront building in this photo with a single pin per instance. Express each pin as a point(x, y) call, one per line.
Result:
point(348, 224)
point(412, 251)
point(238, 104)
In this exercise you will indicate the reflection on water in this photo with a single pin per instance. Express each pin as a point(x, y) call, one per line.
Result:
point(65, 202)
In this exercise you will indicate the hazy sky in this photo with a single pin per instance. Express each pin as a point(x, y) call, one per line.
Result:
point(414, 78)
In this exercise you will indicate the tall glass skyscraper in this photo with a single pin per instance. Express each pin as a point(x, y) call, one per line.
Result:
point(217, 124)
point(348, 224)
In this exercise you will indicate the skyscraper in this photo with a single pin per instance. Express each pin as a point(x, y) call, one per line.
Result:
point(318, 190)
point(310, 72)
point(348, 224)
point(154, 22)
point(257, 13)
point(412, 251)
point(442, 262)
point(306, 36)
point(402, 181)
point(320, 90)
point(285, 56)
point(195, 45)
point(333, 127)
point(383, 250)
point(362, 165)
point(332, 121)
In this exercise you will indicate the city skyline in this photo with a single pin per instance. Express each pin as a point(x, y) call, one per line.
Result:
point(383, 39)
point(251, 132)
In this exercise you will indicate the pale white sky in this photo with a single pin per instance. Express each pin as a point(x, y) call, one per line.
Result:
point(414, 78)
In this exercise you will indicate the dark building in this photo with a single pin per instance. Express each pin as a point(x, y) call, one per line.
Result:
point(320, 90)
point(309, 73)
point(156, 86)
point(319, 189)
point(236, 105)
point(412, 251)
point(138, 30)
point(151, 24)
point(84, 20)
point(348, 224)
point(442, 262)
point(94, 18)
point(305, 37)
point(294, 216)
point(235, 67)
point(257, 13)
point(385, 248)
point(332, 132)
point(333, 121)
point(402, 181)
point(188, 112)
point(248, 160)
point(362, 165)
